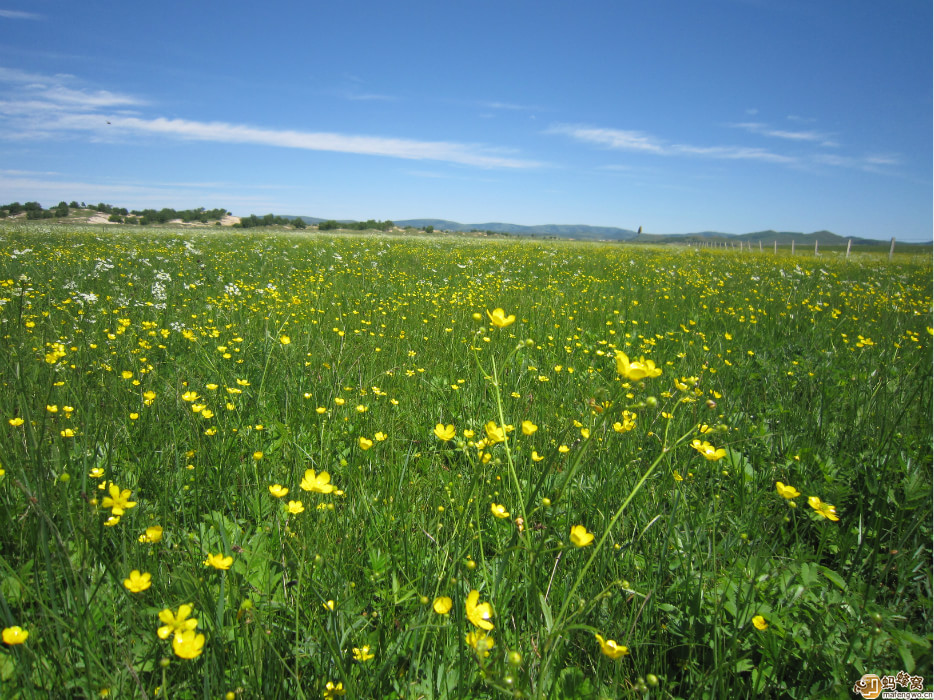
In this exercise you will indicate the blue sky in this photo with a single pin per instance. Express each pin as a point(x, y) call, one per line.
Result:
point(677, 116)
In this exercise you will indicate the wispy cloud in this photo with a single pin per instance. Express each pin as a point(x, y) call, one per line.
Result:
point(766, 130)
point(44, 107)
point(18, 14)
point(638, 141)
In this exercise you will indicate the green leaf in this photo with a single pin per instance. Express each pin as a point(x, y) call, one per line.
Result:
point(834, 578)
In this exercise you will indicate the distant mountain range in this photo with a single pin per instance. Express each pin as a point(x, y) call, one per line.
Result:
point(610, 233)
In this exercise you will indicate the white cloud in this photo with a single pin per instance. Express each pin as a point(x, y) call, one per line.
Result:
point(18, 14)
point(625, 140)
point(44, 107)
point(766, 130)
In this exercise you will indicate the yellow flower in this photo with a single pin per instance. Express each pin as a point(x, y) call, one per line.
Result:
point(15, 422)
point(580, 537)
point(528, 427)
point(278, 490)
point(635, 370)
point(499, 511)
point(709, 451)
point(152, 535)
point(677, 476)
point(536, 457)
point(318, 484)
point(67, 433)
point(176, 623)
point(499, 318)
point(14, 635)
point(51, 408)
point(364, 443)
point(188, 644)
point(478, 614)
point(339, 401)
point(823, 509)
point(445, 433)
point(494, 433)
point(480, 642)
point(190, 396)
point(786, 491)
point(611, 648)
point(285, 340)
point(563, 448)
point(333, 690)
point(218, 561)
point(137, 582)
point(258, 455)
point(759, 623)
point(126, 374)
point(296, 507)
point(585, 433)
point(362, 654)
point(442, 605)
point(118, 501)
point(379, 437)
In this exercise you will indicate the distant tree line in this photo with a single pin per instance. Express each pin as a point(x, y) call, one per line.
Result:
point(145, 217)
point(34, 210)
point(368, 225)
point(252, 221)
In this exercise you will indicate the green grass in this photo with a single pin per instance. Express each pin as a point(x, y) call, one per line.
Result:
point(815, 372)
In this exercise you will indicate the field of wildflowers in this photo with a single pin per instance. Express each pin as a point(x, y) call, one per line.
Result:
point(252, 465)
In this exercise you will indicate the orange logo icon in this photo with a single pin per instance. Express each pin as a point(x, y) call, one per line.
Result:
point(869, 686)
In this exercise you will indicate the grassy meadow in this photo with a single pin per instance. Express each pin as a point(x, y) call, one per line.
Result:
point(252, 465)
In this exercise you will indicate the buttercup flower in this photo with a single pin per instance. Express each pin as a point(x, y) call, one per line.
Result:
point(218, 561)
point(188, 644)
point(152, 535)
point(710, 452)
point(318, 484)
point(176, 624)
point(611, 648)
point(15, 422)
point(528, 427)
point(640, 369)
point(285, 340)
point(296, 507)
point(823, 509)
point(536, 457)
point(333, 690)
point(364, 443)
point(759, 623)
point(580, 537)
point(499, 318)
point(481, 642)
point(137, 582)
point(786, 491)
point(479, 614)
point(494, 433)
point(14, 635)
point(362, 654)
point(445, 433)
point(278, 490)
point(118, 501)
point(442, 605)
point(499, 511)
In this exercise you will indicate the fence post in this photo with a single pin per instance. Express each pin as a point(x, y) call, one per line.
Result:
point(792, 246)
point(760, 246)
point(776, 248)
point(892, 248)
point(815, 248)
point(848, 244)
